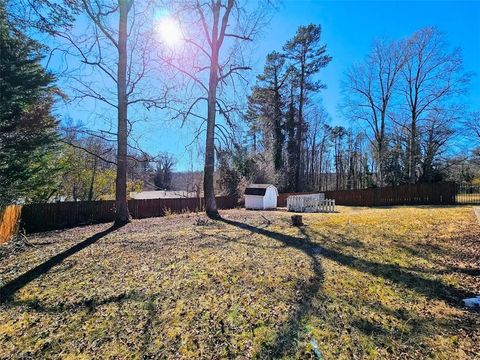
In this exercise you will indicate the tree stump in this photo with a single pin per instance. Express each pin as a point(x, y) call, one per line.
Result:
point(297, 220)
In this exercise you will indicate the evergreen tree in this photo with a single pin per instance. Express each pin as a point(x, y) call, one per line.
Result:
point(268, 94)
point(308, 57)
point(27, 127)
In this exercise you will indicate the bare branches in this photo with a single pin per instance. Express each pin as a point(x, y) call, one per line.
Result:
point(204, 23)
point(85, 55)
point(89, 91)
point(97, 16)
point(405, 91)
point(240, 37)
point(198, 46)
point(186, 73)
point(233, 70)
point(224, 22)
point(88, 151)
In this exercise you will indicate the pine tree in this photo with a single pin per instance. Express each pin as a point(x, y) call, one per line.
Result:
point(308, 57)
point(27, 127)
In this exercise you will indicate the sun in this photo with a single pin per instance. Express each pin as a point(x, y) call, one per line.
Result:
point(169, 31)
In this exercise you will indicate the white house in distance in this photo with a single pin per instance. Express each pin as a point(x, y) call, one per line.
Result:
point(261, 196)
point(163, 194)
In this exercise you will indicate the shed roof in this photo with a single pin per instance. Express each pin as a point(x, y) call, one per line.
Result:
point(257, 189)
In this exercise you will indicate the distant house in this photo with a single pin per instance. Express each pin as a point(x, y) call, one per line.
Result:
point(261, 196)
point(163, 194)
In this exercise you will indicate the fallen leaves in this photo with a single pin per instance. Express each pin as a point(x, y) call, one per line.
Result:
point(364, 283)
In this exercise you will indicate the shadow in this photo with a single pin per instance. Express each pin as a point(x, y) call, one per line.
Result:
point(147, 328)
point(287, 337)
point(447, 270)
point(423, 250)
point(370, 328)
point(288, 334)
point(437, 255)
point(89, 304)
point(8, 290)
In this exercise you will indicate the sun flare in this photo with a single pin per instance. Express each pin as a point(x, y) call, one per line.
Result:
point(169, 31)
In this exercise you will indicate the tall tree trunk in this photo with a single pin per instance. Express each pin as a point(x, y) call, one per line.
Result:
point(291, 145)
point(320, 164)
point(299, 131)
point(208, 172)
point(412, 151)
point(92, 180)
point(382, 147)
point(122, 216)
point(278, 144)
point(313, 155)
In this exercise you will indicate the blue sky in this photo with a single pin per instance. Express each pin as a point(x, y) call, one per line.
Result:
point(349, 28)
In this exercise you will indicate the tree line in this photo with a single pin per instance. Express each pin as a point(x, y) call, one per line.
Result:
point(403, 107)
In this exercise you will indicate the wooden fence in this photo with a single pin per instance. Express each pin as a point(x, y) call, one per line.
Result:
point(442, 193)
point(54, 216)
point(44, 217)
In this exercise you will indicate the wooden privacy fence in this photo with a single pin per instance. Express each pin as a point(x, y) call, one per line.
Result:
point(442, 193)
point(54, 216)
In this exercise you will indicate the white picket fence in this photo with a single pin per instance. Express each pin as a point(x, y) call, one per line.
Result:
point(310, 203)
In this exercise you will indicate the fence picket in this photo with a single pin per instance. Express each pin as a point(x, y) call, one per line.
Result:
point(467, 194)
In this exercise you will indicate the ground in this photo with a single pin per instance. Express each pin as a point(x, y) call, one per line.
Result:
point(381, 283)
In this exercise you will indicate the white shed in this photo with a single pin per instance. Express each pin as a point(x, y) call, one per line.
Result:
point(261, 196)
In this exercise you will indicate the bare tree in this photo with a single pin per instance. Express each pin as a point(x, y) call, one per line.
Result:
point(163, 172)
point(116, 32)
point(432, 76)
point(437, 130)
point(473, 124)
point(45, 16)
point(212, 60)
point(315, 146)
point(370, 87)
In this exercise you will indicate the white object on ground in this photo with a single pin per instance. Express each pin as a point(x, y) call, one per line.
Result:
point(310, 203)
point(472, 302)
point(261, 196)
point(477, 212)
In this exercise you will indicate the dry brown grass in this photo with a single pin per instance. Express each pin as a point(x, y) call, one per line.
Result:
point(362, 284)
point(9, 221)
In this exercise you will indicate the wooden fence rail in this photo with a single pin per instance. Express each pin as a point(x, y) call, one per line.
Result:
point(442, 193)
point(54, 216)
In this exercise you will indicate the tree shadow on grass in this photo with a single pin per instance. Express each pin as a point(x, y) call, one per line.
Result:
point(8, 290)
point(289, 333)
point(408, 277)
point(90, 304)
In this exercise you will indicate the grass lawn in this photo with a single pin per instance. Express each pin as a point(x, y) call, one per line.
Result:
point(381, 283)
